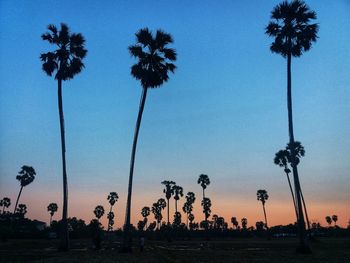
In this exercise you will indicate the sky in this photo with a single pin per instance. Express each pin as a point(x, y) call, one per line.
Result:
point(223, 113)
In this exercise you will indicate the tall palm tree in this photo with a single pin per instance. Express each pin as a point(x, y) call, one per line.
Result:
point(206, 204)
point(157, 210)
point(6, 203)
point(262, 196)
point(188, 205)
point(335, 219)
point(52, 208)
point(293, 35)
point(204, 181)
point(99, 212)
point(168, 190)
point(25, 176)
point(145, 211)
point(112, 199)
point(178, 192)
point(66, 61)
point(152, 69)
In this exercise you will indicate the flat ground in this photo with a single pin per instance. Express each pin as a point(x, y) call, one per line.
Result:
point(225, 250)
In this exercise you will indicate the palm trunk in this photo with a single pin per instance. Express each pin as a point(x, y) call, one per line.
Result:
point(127, 233)
point(303, 246)
point(265, 216)
point(50, 220)
point(205, 216)
point(187, 222)
point(291, 191)
point(64, 233)
point(168, 212)
point(19, 194)
point(305, 210)
point(175, 206)
point(109, 220)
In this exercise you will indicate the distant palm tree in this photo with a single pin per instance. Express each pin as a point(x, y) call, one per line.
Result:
point(244, 222)
point(188, 205)
point(66, 61)
point(204, 181)
point(21, 210)
point(206, 204)
point(157, 210)
point(178, 192)
point(112, 199)
point(52, 208)
point(6, 203)
point(152, 69)
point(335, 219)
point(234, 222)
point(293, 33)
point(145, 213)
point(191, 218)
point(329, 220)
point(262, 196)
point(99, 212)
point(25, 177)
point(168, 190)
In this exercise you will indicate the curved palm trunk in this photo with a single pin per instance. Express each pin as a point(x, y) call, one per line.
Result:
point(305, 210)
point(291, 191)
point(265, 216)
point(19, 194)
point(64, 231)
point(303, 246)
point(127, 232)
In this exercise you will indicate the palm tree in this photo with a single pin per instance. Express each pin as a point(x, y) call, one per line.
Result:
point(191, 218)
point(168, 190)
point(244, 222)
point(145, 211)
point(99, 212)
point(52, 208)
point(293, 35)
point(188, 205)
point(157, 210)
point(66, 61)
point(234, 222)
point(204, 181)
point(6, 202)
point(263, 196)
point(112, 199)
point(335, 219)
point(154, 63)
point(329, 220)
point(25, 176)
point(178, 192)
point(21, 210)
point(206, 204)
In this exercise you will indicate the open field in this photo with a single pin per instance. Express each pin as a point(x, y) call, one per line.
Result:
point(238, 250)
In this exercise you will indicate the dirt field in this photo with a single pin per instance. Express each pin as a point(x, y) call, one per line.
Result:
point(237, 250)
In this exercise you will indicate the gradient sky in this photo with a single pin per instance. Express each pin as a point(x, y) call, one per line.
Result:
point(222, 113)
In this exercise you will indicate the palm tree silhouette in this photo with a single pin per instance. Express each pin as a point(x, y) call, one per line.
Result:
point(191, 218)
point(154, 63)
point(21, 210)
point(66, 61)
point(157, 210)
point(6, 202)
point(99, 212)
point(329, 220)
point(244, 222)
point(204, 181)
point(25, 176)
point(52, 208)
point(335, 219)
point(168, 190)
point(293, 35)
point(188, 205)
point(263, 196)
point(234, 222)
point(145, 211)
point(178, 192)
point(206, 204)
point(112, 199)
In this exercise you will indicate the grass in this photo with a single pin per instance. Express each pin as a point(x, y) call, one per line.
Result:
point(224, 250)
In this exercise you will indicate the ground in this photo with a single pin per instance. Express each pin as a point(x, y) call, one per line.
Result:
point(224, 250)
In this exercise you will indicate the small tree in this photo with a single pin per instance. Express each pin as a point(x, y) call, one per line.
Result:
point(335, 219)
point(329, 220)
point(21, 210)
point(99, 212)
point(25, 176)
point(52, 208)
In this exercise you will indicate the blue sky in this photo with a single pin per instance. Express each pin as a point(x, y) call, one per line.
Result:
point(222, 113)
